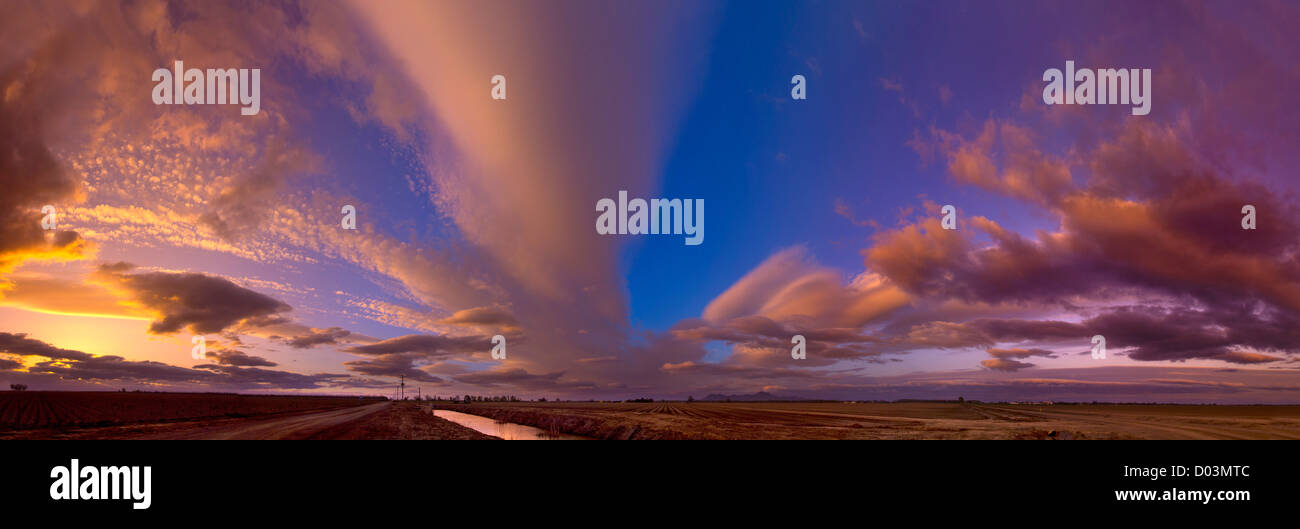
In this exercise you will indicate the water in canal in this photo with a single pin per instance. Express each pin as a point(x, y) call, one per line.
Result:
point(505, 430)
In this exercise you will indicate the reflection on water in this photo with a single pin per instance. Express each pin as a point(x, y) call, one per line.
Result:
point(505, 430)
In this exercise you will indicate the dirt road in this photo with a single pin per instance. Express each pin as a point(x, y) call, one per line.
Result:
point(292, 427)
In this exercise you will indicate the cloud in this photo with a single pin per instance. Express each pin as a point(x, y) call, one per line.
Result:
point(20, 344)
point(1142, 217)
point(945, 94)
point(74, 88)
point(203, 304)
point(34, 102)
point(760, 340)
point(238, 358)
point(316, 337)
point(1243, 357)
point(427, 345)
point(516, 377)
point(524, 214)
point(1005, 364)
point(258, 378)
point(111, 367)
point(488, 317)
point(842, 209)
point(1025, 173)
point(1222, 333)
point(790, 287)
point(1019, 352)
point(946, 335)
point(395, 365)
point(68, 368)
point(1145, 194)
point(518, 204)
point(1007, 359)
point(1140, 237)
point(244, 204)
point(1149, 239)
point(737, 371)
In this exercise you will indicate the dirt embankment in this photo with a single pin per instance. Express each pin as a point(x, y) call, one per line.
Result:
point(401, 421)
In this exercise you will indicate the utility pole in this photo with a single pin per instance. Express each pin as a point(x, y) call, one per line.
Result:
point(402, 391)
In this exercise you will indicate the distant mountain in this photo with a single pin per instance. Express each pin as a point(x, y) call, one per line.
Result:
point(760, 396)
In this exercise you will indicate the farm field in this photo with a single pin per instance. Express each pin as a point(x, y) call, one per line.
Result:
point(903, 420)
point(20, 410)
point(106, 415)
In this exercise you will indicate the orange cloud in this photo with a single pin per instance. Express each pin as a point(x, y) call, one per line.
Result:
point(788, 286)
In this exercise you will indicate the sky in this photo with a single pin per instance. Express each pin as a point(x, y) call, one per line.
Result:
point(823, 216)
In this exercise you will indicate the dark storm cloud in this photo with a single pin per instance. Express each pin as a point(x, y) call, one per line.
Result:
point(68, 366)
point(1241, 334)
point(20, 344)
point(30, 174)
point(201, 303)
point(428, 345)
point(394, 365)
point(316, 337)
point(1216, 334)
point(239, 358)
point(117, 368)
point(254, 377)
